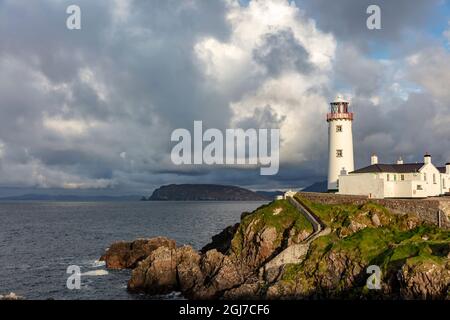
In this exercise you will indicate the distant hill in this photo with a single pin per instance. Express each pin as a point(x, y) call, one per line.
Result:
point(205, 192)
point(317, 187)
point(74, 198)
point(270, 194)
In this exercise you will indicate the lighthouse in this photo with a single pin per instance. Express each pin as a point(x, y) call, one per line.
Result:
point(340, 142)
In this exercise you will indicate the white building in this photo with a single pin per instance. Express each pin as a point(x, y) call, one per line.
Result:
point(340, 141)
point(400, 180)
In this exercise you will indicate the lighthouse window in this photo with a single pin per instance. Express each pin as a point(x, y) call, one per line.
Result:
point(339, 153)
point(338, 128)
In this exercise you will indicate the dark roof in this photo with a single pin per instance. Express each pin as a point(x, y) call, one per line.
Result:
point(394, 168)
point(441, 169)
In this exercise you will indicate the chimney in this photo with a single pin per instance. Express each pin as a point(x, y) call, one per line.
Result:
point(447, 168)
point(427, 158)
point(400, 161)
point(374, 159)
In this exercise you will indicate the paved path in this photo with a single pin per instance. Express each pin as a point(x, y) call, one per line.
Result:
point(319, 227)
point(296, 253)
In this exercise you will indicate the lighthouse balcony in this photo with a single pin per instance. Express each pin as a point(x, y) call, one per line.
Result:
point(340, 116)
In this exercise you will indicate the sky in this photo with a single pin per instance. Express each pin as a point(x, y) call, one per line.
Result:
point(92, 110)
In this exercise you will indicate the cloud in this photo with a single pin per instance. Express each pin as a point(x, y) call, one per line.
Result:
point(95, 108)
point(281, 52)
point(285, 61)
point(447, 33)
point(346, 19)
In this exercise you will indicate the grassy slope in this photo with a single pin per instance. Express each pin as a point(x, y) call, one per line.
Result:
point(388, 246)
point(264, 217)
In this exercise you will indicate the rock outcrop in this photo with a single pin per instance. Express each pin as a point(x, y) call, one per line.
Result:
point(222, 241)
point(424, 280)
point(266, 256)
point(184, 269)
point(12, 296)
point(126, 255)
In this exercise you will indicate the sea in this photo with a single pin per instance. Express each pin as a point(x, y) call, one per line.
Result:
point(39, 241)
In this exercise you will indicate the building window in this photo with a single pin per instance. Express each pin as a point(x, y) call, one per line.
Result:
point(338, 128)
point(434, 178)
point(443, 183)
point(425, 177)
point(339, 153)
point(388, 177)
point(419, 187)
point(395, 177)
point(402, 177)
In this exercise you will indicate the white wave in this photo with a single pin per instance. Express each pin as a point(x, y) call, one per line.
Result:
point(95, 273)
point(98, 264)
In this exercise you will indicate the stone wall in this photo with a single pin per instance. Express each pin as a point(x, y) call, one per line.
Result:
point(433, 210)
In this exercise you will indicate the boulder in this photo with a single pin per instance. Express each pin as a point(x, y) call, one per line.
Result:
point(12, 296)
point(222, 241)
point(126, 255)
point(424, 280)
point(257, 247)
point(157, 274)
point(184, 269)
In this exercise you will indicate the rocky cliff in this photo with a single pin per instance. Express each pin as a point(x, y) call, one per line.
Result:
point(239, 263)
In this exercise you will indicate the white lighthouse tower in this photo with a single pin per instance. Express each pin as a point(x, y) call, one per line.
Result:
point(340, 142)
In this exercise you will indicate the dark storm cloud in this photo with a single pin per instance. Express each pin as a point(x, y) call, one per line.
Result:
point(262, 118)
point(101, 103)
point(408, 130)
point(401, 19)
point(144, 64)
point(363, 75)
point(281, 52)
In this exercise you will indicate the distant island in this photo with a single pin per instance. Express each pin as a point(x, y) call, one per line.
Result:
point(204, 192)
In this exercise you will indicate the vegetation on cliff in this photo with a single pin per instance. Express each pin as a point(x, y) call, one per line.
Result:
point(280, 216)
point(370, 235)
point(239, 262)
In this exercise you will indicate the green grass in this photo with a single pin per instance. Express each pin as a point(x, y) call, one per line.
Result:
point(389, 246)
point(264, 217)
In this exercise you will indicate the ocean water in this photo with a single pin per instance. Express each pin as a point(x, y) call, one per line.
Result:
point(40, 240)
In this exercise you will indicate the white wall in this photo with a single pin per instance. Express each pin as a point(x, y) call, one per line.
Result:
point(432, 187)
point(339, 141)
point(377, 185)
point(363, 184)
